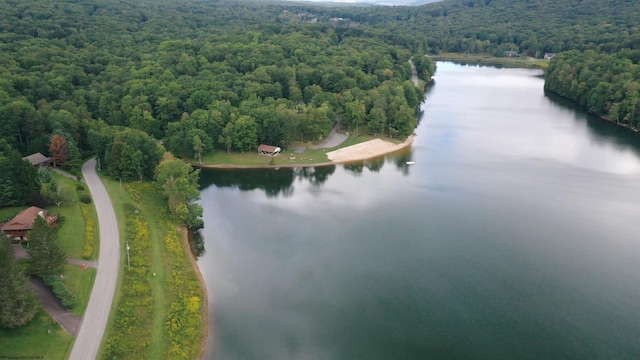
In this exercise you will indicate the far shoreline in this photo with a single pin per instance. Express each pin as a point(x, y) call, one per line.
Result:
point(353, 159)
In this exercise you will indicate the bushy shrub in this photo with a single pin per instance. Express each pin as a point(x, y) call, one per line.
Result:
point(79, 187)
point(85, 198)
point(61, 291)
point(89, 238)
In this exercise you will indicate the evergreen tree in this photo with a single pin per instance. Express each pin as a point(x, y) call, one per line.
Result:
point(17, 304)
point(47, 257)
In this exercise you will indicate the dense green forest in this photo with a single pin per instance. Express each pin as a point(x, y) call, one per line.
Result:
point(532, 27)
point(197, 75)
point(607, 85)
point(125, 81)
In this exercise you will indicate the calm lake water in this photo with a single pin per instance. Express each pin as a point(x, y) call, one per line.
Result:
point(514, 236)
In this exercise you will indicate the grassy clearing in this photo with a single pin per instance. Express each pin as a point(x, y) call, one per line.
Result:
point(80, 283)
point(524, 62)
point(146, 304)
point(153, 207)
point(71, 235)
point(8, 213)
point(287, 157)
point(34, 339)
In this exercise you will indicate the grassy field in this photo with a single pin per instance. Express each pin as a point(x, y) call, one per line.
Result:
point(150, 288)
point(525, 62)
point(288, 157)
point(80, 283)
point(40, 337)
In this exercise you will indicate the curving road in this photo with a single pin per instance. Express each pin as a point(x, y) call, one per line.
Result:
point(92, 329)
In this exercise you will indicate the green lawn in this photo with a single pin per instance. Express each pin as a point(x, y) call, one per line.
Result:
point(40, 337)
point(80, 283)
point(71, 233)
point(8, 213)
point(287, 157)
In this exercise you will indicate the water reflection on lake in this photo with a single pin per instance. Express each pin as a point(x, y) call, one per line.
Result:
point(515, 235)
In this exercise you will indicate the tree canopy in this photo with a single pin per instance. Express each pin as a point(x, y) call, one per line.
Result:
point(17, 178)
point(179, 183)
point(229, 75)
point(17, 304)
point(46, 255)
point(607, 85)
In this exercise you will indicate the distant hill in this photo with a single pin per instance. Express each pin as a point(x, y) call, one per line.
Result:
point(493, 26)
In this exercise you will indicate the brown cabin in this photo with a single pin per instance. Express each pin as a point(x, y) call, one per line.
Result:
point(21, 224)
point(268, 150)
point(38, 159)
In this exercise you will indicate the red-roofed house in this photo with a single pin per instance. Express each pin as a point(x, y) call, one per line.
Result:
point(21, 224)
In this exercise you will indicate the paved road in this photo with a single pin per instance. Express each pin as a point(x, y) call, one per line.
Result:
point(333, 139)
point(95, 317)
point(414, 74)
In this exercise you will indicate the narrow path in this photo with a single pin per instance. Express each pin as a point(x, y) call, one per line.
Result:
point(63, 173)
point(87, 343)
point(333, 139)
point(414, 74)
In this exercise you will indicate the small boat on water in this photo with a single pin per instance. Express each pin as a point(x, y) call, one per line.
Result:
point(410, 162)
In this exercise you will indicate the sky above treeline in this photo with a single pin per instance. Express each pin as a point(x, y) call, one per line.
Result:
point(376, 2)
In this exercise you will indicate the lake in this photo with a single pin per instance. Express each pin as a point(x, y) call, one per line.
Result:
point(514, 235)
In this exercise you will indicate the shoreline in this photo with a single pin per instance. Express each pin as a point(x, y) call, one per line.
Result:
point(193, 260)
point(485, 59)
point(355, 153)
point(601, 117)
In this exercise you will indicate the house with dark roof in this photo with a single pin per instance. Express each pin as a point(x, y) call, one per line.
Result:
point(21, 224)
point(38, 159)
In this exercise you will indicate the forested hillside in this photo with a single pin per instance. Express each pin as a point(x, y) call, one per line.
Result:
point(228, 75)
point(199, 75)
point(607, 85)
point(532, 27)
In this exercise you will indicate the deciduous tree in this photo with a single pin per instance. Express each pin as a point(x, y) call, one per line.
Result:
point(179, 182)
point(59, 149)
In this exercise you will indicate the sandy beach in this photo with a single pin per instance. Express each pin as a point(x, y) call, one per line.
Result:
point(358, 152)
point(366, 150)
